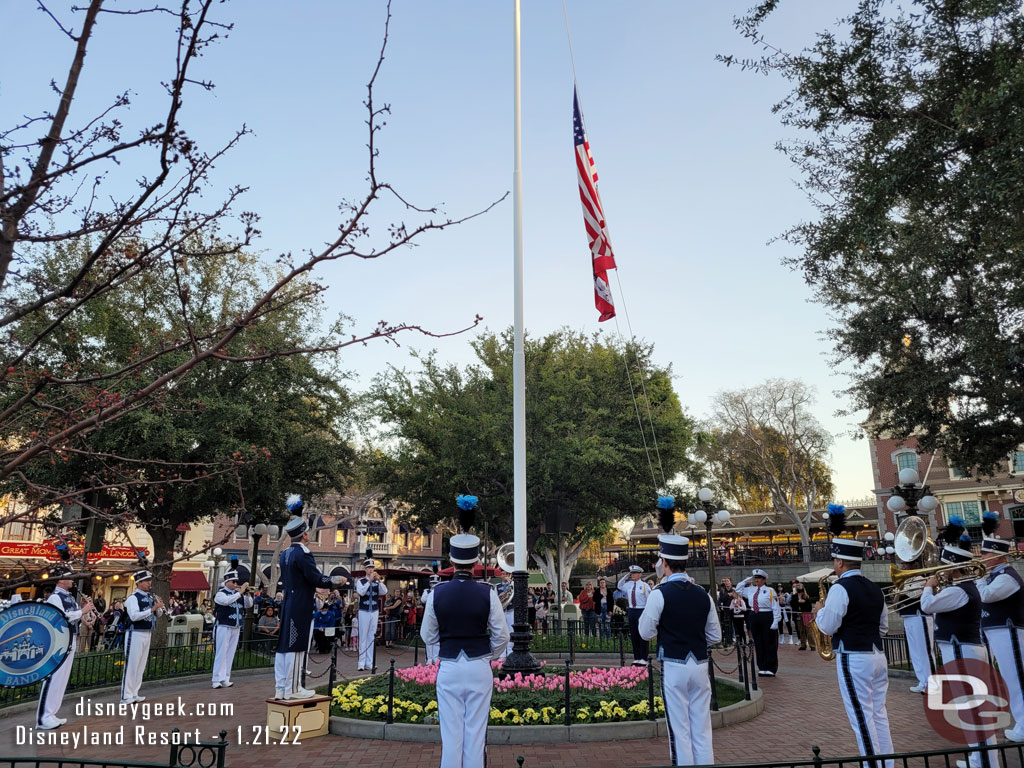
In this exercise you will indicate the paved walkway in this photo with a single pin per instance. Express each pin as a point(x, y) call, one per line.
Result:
point(803, 708)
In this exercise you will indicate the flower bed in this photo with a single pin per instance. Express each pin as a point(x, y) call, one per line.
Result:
point(598, 695)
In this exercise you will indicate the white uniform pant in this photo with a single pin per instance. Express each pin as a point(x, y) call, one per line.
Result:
point(510, 617)
point(864, 682)
point(951, 651)
point(225, 641)
point(136, 653)
point(920, 631)
point(367, 633)
point(464, 689)
point(288, 671)
point(686, 691)
point(52, 693)
point(1007, 646)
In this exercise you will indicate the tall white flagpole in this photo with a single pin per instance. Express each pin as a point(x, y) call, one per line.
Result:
point(518, 355)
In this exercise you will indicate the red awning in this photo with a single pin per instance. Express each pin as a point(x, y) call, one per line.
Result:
point(189, 581)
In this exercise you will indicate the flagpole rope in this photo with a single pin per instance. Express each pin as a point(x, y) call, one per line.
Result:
point(625, 347)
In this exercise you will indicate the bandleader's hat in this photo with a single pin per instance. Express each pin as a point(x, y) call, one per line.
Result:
point(635, 569)
point(142, 575)
point(672, 547)
point(296, 527)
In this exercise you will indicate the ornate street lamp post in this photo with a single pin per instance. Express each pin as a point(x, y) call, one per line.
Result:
point(910, 496)
point(707, 516)
point(217, 557)
point(255, 533)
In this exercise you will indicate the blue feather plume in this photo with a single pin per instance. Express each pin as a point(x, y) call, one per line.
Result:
point(294, 503)
point(836, 509)
point(466, 502)
point(954, 528)
point(467, 511)
point(965, 538)
point(836, 519)
point(989, 522)
point(666, 502)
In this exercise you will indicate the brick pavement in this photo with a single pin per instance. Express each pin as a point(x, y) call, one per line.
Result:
point(802, 708)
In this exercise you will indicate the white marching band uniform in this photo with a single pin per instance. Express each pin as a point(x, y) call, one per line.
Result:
point(957, 611)
point(1002, 622)
point(856, 616)
point(673, 612)
point(229, 610)
point(52, 693)
point(370, 593)
point(464, 617)
point(141, 621)
point(510, 614)
point(920, 631)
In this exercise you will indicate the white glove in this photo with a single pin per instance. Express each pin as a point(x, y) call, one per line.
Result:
point(775, 625)
point(338, 580)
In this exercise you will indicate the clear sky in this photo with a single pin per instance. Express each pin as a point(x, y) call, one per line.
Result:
point(692, 186)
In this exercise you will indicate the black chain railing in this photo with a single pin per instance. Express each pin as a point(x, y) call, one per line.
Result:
point(105, 668)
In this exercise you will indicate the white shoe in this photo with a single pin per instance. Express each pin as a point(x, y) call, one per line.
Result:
point(1012, 735)
point(919, 688)
point(50, 723)
point(139, 698)
point(639, 662)
point(127, 701)
point(279, 693)
point(216, 685)
point(302, 693)
point(226, 685)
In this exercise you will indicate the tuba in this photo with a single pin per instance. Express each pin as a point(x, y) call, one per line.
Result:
point(822, 641)
point(505, 558)
point(919, 557)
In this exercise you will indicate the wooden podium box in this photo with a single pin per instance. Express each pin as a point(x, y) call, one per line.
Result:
point(298, 719)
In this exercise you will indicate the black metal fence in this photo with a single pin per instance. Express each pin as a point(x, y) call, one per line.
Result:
point(897, 652)
point(204, 754)
point(105, 668)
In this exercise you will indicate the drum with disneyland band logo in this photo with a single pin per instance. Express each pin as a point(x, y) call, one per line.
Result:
point(35, 638)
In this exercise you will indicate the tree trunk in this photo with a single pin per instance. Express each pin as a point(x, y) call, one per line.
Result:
point(162, 560)
point(547, 560)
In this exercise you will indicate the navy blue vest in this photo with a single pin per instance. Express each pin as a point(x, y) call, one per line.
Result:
point(965, 622)
point(683, 621)
point(1008, 612)
point(229, 615)
point(68, 603)
point(858, 632)
point(371, 600)
point(145, 601)
point(462, 607)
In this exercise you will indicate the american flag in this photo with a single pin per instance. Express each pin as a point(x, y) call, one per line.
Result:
point(602, 257)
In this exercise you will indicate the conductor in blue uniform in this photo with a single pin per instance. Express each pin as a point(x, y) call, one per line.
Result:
point(301, 578)
point(465, 618)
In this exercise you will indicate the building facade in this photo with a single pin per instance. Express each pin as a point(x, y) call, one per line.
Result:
point(957, 491)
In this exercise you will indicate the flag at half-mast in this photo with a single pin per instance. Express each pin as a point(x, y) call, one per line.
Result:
point(601, 255)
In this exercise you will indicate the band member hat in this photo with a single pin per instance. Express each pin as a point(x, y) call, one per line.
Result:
point(369, 563)
point(296, 527)
point(61, 572)
point(759, 572)
point(847, 549)
point(464, 549)
point(995, 546)
point(672, 547)
point(230, 576)
point(142, 575)
point(635, 569)
point(952, 555)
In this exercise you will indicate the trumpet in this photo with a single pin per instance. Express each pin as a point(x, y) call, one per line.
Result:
point(89, 613)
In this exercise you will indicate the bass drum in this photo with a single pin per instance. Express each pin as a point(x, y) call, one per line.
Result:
point(35, 639)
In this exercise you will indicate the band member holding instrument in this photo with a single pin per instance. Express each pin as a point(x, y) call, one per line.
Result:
point(142, 608)
point(765, 615)
point(229, 612)
point(685, 619)
point(957, 611)
point(52, 693)
point(854, 613)
point(1002, 618)
point(465, 618)
point(300, 578)
point(920, 630)
point(370, 592)
point(432, 649)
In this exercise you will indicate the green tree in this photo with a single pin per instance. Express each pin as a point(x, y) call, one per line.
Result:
point(912, 149)
point(765, 445)
point(449, 431)
point(236, 435)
